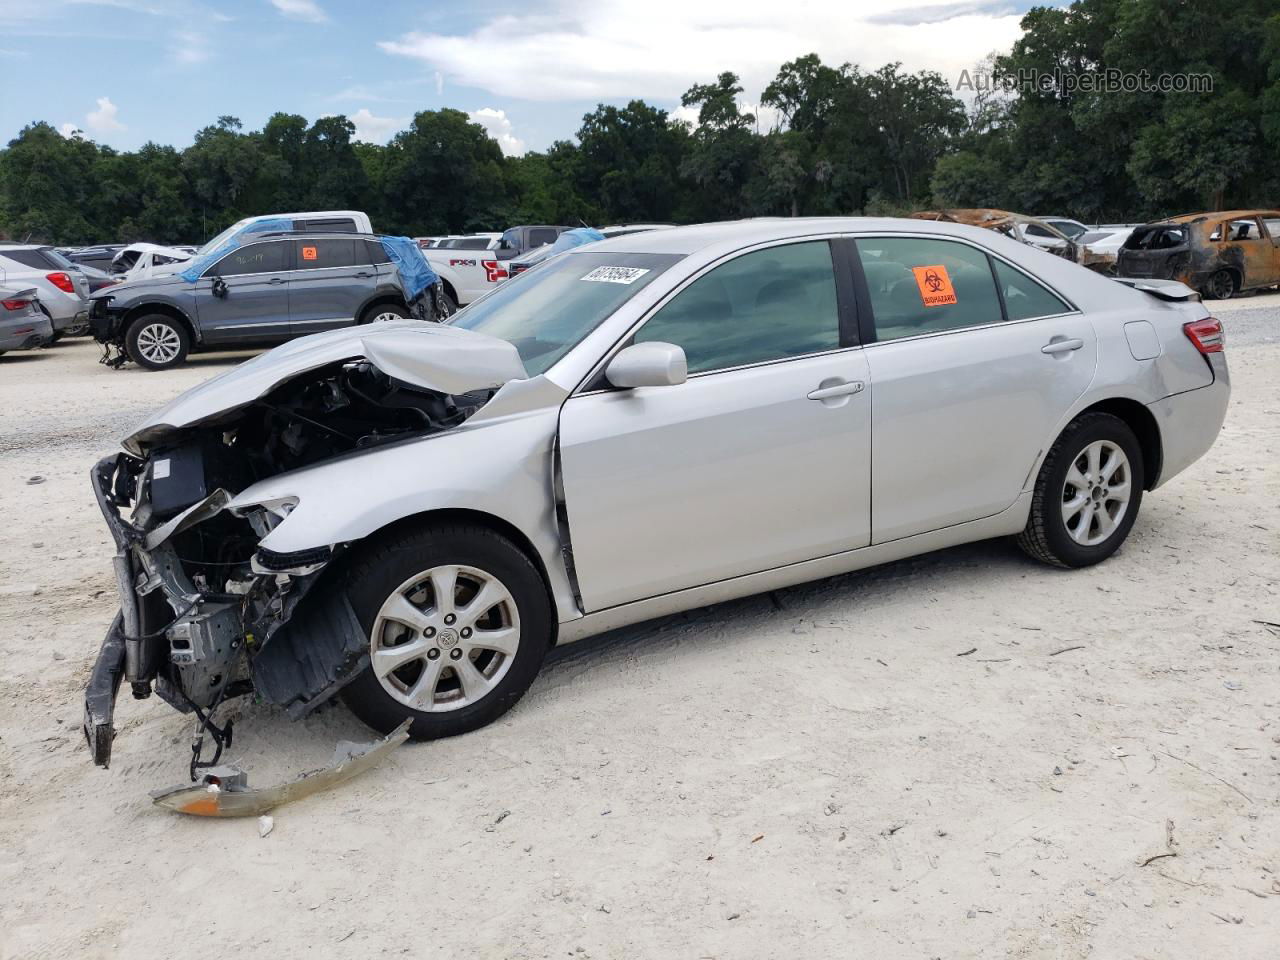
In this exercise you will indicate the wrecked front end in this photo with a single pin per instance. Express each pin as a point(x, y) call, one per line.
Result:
point(207, 613)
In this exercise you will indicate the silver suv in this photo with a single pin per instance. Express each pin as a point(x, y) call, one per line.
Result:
point(60, 284)
point(272, 289)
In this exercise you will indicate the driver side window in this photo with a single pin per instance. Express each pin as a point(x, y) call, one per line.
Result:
point(254, 258)
point(770, 304)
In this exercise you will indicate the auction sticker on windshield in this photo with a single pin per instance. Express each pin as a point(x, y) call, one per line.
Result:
point(935, 286)
point(616, 274)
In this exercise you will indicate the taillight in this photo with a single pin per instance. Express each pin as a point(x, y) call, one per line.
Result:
point(62, 281)
point(15, 304)
point(1207, 335)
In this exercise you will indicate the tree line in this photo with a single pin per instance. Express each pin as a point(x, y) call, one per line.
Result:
point(848, 141)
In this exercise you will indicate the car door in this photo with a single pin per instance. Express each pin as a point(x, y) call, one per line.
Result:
point(973, 363)
point(760, 459)
point(332, 280)
point(1266, 261)
point(251, 301)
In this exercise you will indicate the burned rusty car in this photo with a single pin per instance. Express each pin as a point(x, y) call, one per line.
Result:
point(1012, 225)
point(1219, 254)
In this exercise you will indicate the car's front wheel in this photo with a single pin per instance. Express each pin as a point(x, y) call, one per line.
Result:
point(1087, 494)
point(458, 621)
point(157, 342)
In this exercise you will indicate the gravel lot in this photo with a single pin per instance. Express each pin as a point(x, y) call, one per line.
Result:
point(838, 777)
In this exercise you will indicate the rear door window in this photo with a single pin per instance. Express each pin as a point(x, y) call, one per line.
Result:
point(920, 286)
point(253, 259)
point(328, 225)
point(317, 253)
point(1273, 229)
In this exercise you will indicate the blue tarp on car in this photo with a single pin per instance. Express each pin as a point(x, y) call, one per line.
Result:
point(416, 274)
point(574, 238)
point(198, 264)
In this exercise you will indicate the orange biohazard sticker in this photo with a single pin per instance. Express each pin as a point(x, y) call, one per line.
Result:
point(935, 286)
point(309, 253)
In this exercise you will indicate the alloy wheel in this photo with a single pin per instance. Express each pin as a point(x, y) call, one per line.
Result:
point(444, 638)
point(159, 343)
point(1096, 493)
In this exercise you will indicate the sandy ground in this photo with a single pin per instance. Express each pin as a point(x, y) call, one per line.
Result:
point(837, 777)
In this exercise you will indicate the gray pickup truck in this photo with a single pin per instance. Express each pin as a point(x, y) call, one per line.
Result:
point(273, 288)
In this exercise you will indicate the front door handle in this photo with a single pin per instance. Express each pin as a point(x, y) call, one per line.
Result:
point(364, 276)
point(1062, 345)
point(275, 281)
point(837, 390)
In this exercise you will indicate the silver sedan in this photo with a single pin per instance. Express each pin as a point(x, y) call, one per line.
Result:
point(414, 513)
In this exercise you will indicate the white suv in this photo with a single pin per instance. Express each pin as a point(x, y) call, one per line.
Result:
point(63, 289)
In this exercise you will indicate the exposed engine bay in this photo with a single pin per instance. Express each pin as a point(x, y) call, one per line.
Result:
point(206, 613)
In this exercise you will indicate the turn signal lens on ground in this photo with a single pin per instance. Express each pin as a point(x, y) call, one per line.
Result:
point(1207, 335)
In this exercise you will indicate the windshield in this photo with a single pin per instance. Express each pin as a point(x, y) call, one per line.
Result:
point(546, 312)
point(59, 259)
point(213, 244)
point(1067, 227)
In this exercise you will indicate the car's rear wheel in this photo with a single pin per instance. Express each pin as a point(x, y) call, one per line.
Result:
point(157, 342)
point(1221, 285)
point(458, 622)
point(384, 312)
point(1087, 494)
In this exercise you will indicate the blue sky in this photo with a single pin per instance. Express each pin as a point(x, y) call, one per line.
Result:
point(129, 71)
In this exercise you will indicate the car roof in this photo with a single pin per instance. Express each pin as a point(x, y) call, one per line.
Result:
point(1218, 215)
point(733, 234)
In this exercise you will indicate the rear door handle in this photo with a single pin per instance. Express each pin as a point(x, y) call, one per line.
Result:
point(1062, 345)
point(363, 276)
point(275, 281)
point(838, 390)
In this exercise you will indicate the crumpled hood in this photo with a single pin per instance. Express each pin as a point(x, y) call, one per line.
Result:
point(442, 358)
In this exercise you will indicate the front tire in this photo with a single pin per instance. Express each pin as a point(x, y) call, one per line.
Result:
point(458, 621)
point(1087, 494)
point(157, 342)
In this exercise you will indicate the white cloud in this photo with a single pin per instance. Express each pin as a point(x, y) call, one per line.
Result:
point(68, 130)
point(595, 49)
point(373, 129)
point(499, 127)
point(307, 10)
point(189, 48)
point(105, 119)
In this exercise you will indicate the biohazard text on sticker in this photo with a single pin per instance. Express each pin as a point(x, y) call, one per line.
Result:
point(935, 286)
point(308, 253)
point(616, 274)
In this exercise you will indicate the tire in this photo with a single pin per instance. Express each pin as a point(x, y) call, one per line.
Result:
point(398, 577)
point(157, 342)
point(448, 306)
point(1220, 286)
point(381, 312)
point(1057, 534)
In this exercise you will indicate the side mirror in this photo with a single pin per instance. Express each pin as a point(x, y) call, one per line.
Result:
point(219, 287)
point(648, 365)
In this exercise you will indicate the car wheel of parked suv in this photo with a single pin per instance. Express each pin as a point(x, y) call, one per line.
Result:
point(157, 342)
point(458, 620)
point(1087, 494)
point(382, 312)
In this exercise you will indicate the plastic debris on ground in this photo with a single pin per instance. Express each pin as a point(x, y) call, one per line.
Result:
point(225, 791)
